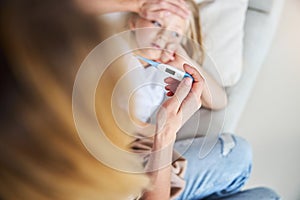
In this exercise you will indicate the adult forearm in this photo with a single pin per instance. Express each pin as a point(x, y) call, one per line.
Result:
point(159, 167)
point(161, 185)
point(98, 7)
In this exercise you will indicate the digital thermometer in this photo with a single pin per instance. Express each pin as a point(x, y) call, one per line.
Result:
point(168, 69)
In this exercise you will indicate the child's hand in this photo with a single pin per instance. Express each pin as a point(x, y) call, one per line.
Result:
point(168, 54)
point(178, 62)
point(175, 55)
point(171, 86)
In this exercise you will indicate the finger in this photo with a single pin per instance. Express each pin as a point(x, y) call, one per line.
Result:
point(168, 87)
point(182, 91)
point(170, 80)
point(167, 56)
point(189, 106)
point(169, 94)
point(178, 62)
point(171, 87)
point(179, 8)
point(192, 102)
point(199, 81)
point(160, 9)
point(151, 14)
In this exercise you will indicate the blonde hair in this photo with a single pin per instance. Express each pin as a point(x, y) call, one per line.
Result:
point(41, 155)
point(195, 48)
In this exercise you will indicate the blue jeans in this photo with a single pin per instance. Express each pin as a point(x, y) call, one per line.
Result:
point(218, 175)
point(260, 193)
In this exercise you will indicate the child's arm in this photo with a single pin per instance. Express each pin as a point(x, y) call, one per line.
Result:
point(214, 96)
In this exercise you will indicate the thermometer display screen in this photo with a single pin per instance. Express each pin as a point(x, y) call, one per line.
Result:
point(170, 71)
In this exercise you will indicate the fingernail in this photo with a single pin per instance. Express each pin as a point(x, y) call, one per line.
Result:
point(188, 81)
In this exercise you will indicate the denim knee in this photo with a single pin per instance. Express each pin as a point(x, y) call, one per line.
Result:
point(261, 193)
point(218, 174)
point(240, 156)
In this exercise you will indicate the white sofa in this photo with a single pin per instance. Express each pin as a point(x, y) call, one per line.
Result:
point(261, 22)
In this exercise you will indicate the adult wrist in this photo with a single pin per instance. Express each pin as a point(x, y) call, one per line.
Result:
point(132, 5)
point(160, 157)
point(165, 138)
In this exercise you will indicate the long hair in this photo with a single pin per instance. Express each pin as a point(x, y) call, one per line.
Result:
point(41, 155)
point(194, 44)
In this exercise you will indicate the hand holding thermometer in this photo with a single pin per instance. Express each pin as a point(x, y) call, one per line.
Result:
point(168, 69)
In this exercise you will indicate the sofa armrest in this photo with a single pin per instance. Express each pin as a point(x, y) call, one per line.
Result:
point(260, 28)
point(261, 5)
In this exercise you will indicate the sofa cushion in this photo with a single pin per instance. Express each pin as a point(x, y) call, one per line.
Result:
point(222, 24)
point(261, 5)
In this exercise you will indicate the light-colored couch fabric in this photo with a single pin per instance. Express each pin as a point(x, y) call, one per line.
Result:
point(222, 27)
point(260, 26)
point(261, 5)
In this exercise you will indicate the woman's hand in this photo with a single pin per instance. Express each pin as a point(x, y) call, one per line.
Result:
point(178, 61)
point(154, 9)
point(213, 96)
point(149, 9)
point(180, 107)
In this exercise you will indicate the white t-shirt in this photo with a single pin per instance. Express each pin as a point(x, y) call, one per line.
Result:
point(140, 87)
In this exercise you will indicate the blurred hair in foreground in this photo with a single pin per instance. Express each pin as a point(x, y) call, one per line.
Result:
point(41, 155)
